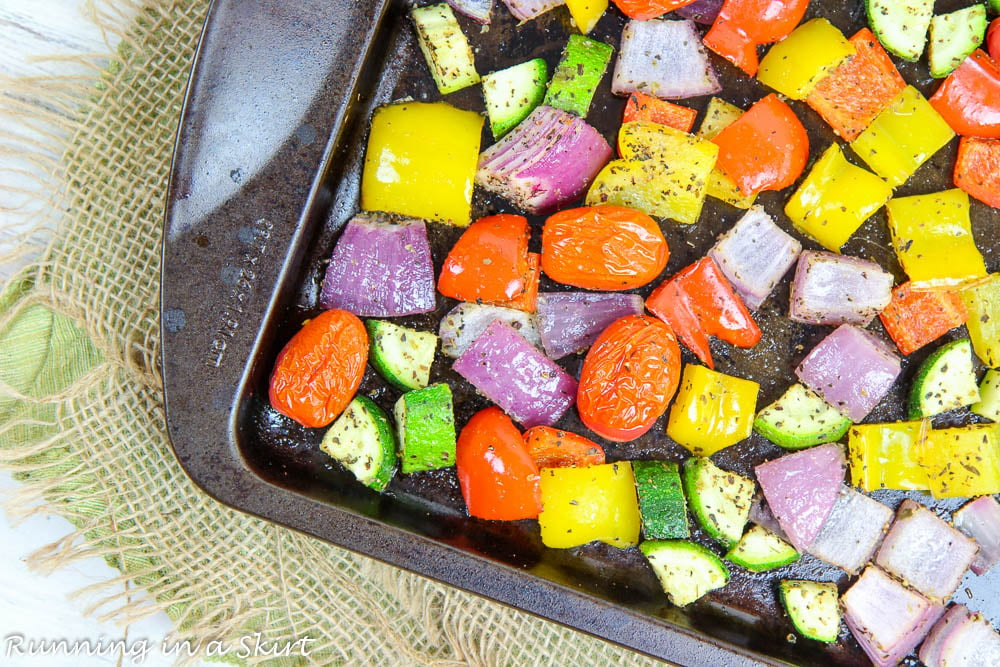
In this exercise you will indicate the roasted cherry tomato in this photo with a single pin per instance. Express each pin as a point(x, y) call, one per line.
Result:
point(499, 481)
point(743, 25)
point(552, 448)
point(764, 149)
point(993, 40)
point(628, 378)
point(969, 99)
point(320, 368)
point(603, 248)
point(489, 262)
point(643, 10)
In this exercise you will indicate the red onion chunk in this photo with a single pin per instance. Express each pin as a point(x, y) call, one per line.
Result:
point(665, 59)
point(526, 384)
point(754, 255)
point(570, 322)
point(529, 9)
point(852, 532)
point(980, 520)
point(971, 643)
point(851, 369)
point(477, 10)
point(925, 551)
point(465, 322)
point(830, 288)
point(887, 618)
point(549, 159)
point(930, 650)
point(801, 490)
point(701, 11)
point(380, 267)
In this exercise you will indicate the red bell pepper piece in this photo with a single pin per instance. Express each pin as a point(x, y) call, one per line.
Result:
point(641, 106)
point(699, 302)
point(764, 149)
point(993, 40)
point(498, 478)
point(489, 262)
point(552, 448)
point(977, 169)
point(644, 10)
point(915, 318)
point(743, 25)
point(528, 299)
point(969, 99)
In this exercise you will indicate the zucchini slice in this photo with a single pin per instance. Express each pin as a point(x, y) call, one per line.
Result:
point(661, 500)
point(447, 51)
point(901, 25)
point(403, 356)
point(800, 419)
point(361, 439)
point(989, 396)
point(719, 499)
point(425, 428)
point(511, 94)
point(953, 37)
point(686, 570)
point(945, 381)
point(813, 608)
point(580, 69)
point(760, 550)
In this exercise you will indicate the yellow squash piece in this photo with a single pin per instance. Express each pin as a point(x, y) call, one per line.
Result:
point(932, 236)
point(901, 138)
point(718, 116)
point(580, 505)
point(586, 13)
point(421, 161)
point(962, 462)
point(797, 63)
point(887, 456)
point(712, 410)
point(663, 172)
point(835, 199)
point(982, 300)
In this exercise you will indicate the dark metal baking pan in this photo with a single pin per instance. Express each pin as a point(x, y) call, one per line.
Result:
point(266, 172)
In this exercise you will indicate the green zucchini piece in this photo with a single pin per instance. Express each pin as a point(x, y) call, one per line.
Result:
point(580, 69)
point(989, 396)
point(403, 356)
point(945, 381)
point(719, 499)
point(445, 47)
point(813, 608)
point(760, 550)
point(361, 439)
point(800, 419)
point(661, 500)
point(686, 570)
point(425, 428)
point(953, 37)
point(901, 25)
point(511, 94)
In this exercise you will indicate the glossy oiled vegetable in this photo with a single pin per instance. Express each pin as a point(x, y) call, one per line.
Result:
point(980, 520)
point(797, 63)
point(812, 607)
point(361, 439)
point(575, 78)
point(962, 461)
point(977, 169)
point(800, 419)
point(529, 9)
point(463, 324)
point(953, 37)
point(983, 303)
point(641, 106)
point(946, 380)
point(513, 93)
point(712, 410)
point(586, 13)
point(498, 479)
point(969, 99)
point(852, 532)
point(445, 48)
point(489, 262)
point(570, 322)
point(686, 570)
point(425, 428)
point(661, 500)
point(720, 499)
point(718, 115)
point(887, 456)
point(554, 448)
point(421, 161)
point(961, 638)
point(665, 59)
point(603, 248)
point(628, 378)
point(915, 318)
point(832, 289)
point(643, 10)
point(318, 371)
point(580, 505)
point(742, 25)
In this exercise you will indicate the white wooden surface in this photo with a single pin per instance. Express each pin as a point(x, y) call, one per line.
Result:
point(35, 607)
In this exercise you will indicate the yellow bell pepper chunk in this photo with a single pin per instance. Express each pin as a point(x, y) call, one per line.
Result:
point(580, 505)
point(835, 199)
point(718, 116)
point(982, 300)
point(421, 161)
point(901, 138)
point(663, 172)
point(963, 462)
point(887, 456)
point(932, 236)
point(712, 410)
point(797, 63)
point(586, 13)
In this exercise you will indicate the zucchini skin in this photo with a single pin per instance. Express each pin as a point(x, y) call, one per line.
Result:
point(369, 450)
point(661, 500)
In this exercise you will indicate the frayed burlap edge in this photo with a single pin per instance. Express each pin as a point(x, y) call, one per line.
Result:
point(92, 445)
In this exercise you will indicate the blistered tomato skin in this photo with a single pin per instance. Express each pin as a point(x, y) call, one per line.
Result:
point(628, 378)
point(320, 369)
point(603, 248)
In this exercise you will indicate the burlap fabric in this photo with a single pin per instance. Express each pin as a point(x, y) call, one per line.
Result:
point(81, 418)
